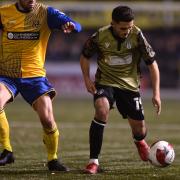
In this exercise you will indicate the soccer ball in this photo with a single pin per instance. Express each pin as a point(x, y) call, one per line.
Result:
point(161, 154)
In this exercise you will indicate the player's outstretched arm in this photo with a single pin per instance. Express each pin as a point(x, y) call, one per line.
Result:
point(155, 79)
point(58, 20)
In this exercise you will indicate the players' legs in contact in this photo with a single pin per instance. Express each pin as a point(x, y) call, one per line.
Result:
point(43, 107)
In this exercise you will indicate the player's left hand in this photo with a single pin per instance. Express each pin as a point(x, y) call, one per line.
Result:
point(157, 104)
point(68, 27)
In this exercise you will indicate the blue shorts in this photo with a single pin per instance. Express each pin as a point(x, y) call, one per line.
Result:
point(30, 88)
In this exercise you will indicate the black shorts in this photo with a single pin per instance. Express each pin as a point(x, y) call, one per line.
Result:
point(128, 102)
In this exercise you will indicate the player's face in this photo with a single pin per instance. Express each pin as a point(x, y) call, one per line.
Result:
point(27, 5)
point(122, 29)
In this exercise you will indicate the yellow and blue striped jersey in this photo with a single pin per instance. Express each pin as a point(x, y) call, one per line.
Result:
point(25, 37)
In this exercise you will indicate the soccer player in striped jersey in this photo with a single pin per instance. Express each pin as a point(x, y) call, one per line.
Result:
point(26, 26)
point(120, 47)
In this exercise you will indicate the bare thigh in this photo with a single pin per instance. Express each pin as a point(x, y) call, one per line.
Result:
point(5, 95)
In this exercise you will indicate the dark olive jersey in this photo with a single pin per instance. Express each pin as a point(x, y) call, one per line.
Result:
point(119, 60)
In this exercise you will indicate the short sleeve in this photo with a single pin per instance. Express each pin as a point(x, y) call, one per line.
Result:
point(91, 46)
point(147, 53)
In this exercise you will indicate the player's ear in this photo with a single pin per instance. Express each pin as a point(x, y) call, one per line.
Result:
point(112, 23)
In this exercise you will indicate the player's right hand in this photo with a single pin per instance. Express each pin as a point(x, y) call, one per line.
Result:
point(157, 104)
point(90, 86)
point(68, 27)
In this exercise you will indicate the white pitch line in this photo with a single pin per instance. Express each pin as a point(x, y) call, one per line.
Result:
point(80, 125)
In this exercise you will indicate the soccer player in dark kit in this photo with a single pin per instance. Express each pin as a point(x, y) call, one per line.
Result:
point(120, 47)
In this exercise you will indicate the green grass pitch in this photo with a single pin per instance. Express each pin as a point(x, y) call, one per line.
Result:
point(119, 157)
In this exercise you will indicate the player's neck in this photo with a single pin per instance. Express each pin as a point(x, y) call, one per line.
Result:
point(21, 8)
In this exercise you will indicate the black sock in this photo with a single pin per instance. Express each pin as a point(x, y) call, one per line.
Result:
point(139, 137)
point(96, 138)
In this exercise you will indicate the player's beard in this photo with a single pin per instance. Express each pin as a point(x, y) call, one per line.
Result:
point(119, 35)
point(27, 7)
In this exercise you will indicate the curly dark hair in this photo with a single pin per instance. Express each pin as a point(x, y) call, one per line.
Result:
point(122, 13)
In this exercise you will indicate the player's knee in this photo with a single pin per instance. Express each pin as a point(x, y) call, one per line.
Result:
point(102, 114)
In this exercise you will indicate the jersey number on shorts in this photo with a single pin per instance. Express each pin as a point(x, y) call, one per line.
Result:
point(138, 103)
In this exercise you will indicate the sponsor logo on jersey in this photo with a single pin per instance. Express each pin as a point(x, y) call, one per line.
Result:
point(117, 60)
point(23, 35)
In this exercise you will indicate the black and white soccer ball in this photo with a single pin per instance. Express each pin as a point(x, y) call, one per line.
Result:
point(161, 154)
